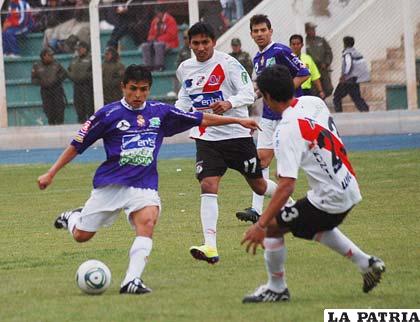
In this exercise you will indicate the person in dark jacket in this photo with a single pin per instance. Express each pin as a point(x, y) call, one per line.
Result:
point(112, 76)
point(49, 74)
point(80, 72)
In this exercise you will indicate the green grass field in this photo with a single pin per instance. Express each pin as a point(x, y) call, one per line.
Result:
point(38, 263)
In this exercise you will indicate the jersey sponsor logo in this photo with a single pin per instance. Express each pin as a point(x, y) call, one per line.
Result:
point(154, 122)
point(244, 77)
point(188, 83)
point(270, 61)
point(123, 125)
point(200, 80)
point(202, 101)
point(137, 149)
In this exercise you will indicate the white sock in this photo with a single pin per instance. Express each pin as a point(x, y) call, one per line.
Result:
point(209, 213)
point(72, 221)
point(257, 200)
point(275, 256)
point(337, 241)
point(139, 252)
point(271, 188)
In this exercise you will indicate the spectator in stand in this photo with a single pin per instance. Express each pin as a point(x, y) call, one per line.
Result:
point(319, 49)
point(353, 72)
point(211, 13)
point(163, 36)
point(233, 10)
point(132, 19)
point(18, 22)
point(52, 15)
point(80, 72)
point(185, 52)
point(78, 27)
point(242, 56)
point(112, 76)
point(49, 74)
point(296, 44)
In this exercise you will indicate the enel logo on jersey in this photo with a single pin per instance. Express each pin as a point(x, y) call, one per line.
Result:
point(136, 141)
point(202, 101)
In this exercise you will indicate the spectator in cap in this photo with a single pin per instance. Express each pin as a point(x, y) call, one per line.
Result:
point(112, 76)
point(163, 36)
point(49, 75)
point(80, 72)
point(242, 56)
point(319, 49)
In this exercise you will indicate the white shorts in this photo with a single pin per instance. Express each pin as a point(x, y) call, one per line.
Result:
point(105, 203)
point(265, 137)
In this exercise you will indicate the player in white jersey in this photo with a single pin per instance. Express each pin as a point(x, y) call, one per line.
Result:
point(306, 138)
point(215, 82)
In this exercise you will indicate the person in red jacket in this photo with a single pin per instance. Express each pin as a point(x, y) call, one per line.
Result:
point(163, 36)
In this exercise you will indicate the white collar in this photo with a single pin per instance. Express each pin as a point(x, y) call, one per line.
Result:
point(266, 47)
point(129, 107)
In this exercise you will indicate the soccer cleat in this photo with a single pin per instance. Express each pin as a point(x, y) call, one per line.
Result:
point(264, 294)
point(136, 286)
point(374, 273)
point(62, 220)
point(205, 253)
point(248, 214)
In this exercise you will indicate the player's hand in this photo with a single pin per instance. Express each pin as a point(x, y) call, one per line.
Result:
point(44, 180)
point(322, 94)
point(220, 107)
point(250, 124)
point(254, 236)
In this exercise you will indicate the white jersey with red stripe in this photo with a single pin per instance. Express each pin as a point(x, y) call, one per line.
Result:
point(220, 78)
point(307, 138)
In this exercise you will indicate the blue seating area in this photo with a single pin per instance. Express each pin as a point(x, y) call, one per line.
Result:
point(24, 99)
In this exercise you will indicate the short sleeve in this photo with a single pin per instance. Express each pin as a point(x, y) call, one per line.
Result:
point(288, 148)
point(177, 121)
point(92, 130)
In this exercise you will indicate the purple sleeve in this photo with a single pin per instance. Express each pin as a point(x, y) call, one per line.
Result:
point(292, 62)
point(91, 131)
point(177, 121)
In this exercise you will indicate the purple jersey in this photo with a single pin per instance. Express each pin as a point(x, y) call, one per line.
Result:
point(276, 53)
point(132, 140)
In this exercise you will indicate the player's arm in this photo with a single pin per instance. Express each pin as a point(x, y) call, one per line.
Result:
point(299, 80)
point(214, 120)
point(46, 179)
point(256, 233)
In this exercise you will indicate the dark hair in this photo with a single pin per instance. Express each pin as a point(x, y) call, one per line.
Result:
point(115, 56)
point(258, 19)
point(137, 73)
point(295, 36)
point(277, 82)
point(45, 51)
point(201, 28)
point(348, 41)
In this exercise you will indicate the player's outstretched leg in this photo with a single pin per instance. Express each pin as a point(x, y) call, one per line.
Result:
point(264, 294)
point(205, 253)
point(373, 275)
point(136, 286)
point(62, 221)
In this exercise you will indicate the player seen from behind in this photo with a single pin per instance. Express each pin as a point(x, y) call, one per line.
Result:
point(306, 138)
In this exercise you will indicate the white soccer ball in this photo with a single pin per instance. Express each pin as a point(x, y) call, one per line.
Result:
point(93, 277)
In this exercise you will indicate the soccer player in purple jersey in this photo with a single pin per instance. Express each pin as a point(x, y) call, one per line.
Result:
point(270, 53)
point(132, 131)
